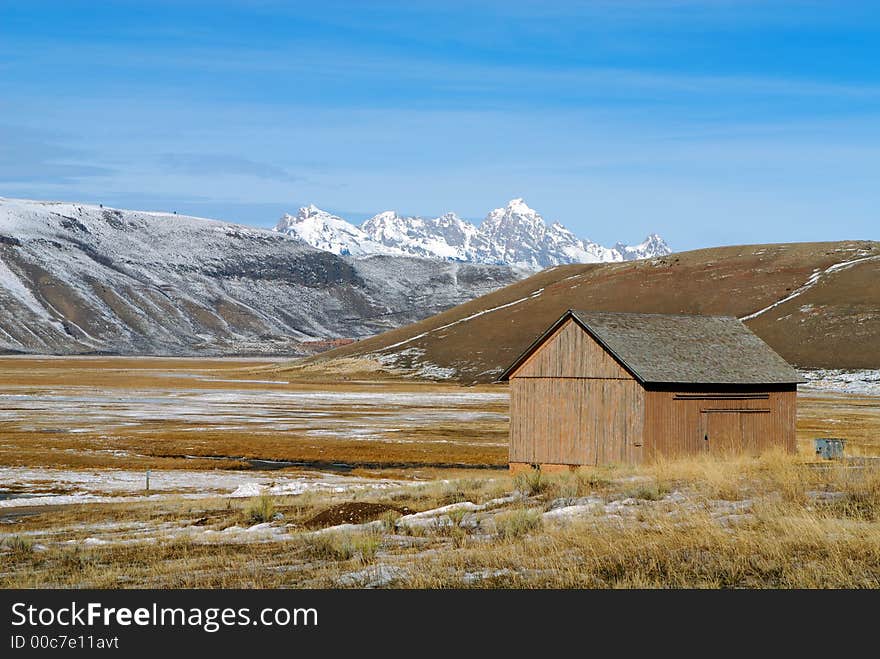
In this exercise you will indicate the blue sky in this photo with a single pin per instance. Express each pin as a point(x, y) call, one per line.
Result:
point(710, 122)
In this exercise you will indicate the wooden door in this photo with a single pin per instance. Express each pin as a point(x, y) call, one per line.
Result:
point(723, 432)
point(735, 431)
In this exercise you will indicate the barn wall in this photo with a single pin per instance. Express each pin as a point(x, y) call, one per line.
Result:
point(575, 421)
point(674, 421)
point(571, 353)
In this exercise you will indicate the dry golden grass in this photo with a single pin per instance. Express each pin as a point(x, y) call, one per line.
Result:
point(123, 372)
point(855, 418)
point(793, 524)
point(774, 521)
point(163, 443)
point(783, 547)
point(345, 368)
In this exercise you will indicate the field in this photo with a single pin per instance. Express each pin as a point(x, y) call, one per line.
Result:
point(327, 480)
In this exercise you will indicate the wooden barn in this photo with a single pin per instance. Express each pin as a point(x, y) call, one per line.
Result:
point(599, 388)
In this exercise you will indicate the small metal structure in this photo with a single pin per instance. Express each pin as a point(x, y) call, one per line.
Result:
point(829, 448)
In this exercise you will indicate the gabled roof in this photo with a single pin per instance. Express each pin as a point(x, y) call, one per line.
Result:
point(678, 349)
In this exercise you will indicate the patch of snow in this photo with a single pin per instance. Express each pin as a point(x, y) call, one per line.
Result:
point(89, 542)
point(864, 382)
point(468, 506)
point(112, 485)
point(366, 527)
point(532, 296)
point(569, 512)
point(486, 573)
point(374, 576)
point(807, 285)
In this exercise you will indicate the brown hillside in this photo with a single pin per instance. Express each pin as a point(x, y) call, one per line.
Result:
point(823, 299)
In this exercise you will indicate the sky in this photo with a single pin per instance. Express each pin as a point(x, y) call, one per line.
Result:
point(710, 122)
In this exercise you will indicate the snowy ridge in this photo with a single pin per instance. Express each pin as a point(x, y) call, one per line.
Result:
point(514, 235)
point(76, 278)
point(330, 233)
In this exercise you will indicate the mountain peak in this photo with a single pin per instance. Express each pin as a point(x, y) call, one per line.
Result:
point(311, 209)
point(318, 228)
point(384, 216)
point(514, 234)
point(518, 205)
point(516, 212)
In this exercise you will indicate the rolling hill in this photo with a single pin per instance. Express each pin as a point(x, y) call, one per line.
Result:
point(80, 279)
point(816, 304)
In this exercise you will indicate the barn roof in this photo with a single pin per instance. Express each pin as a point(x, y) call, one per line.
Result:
point(679, 349)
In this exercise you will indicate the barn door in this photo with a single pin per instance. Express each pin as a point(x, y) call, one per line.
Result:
point(735, 431)
point(723, 432)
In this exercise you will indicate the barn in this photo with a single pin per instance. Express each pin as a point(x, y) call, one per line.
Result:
point(599, 388)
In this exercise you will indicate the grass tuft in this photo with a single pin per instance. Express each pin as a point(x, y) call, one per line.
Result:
point(532, 482)
point(260, 509)
point(19, 545)
point(517, 523)
point(343, 546)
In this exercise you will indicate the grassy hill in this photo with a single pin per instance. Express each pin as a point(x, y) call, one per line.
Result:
point(816, 304)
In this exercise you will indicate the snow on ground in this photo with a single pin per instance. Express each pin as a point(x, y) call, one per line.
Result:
point(531, 296)
point(812, 280)
point(25, 486)
point(336, 413)
point(861, 382)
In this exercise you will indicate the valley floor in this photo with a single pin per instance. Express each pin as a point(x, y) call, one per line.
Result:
point(257, 481)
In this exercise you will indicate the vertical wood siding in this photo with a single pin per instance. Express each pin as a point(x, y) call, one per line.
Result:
point(676, 424)
point(571, 353)
point(575, 421)
point(572, 403)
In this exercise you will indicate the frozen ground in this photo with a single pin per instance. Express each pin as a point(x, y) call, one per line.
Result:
point(860, 382)
point(359, 415)
point(26, 487)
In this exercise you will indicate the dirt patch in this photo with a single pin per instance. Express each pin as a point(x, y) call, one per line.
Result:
point(353, 513)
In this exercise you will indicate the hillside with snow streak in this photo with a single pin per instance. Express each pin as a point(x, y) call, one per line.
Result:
point(816, 304)
point(76, 279)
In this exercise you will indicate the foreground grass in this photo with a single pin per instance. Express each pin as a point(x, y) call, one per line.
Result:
point(773, 522)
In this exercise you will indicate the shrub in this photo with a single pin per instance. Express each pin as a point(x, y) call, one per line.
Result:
point(449, 526)
point(18, 545)
point(261, 509)
point(343, 546)
point(649, 491)
point(571, 484)
point(453, 492)
point(532, 482)
point(389, 520)
point(517, 523)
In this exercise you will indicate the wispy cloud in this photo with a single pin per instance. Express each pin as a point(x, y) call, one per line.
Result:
point(216, 164)
point(33, 156)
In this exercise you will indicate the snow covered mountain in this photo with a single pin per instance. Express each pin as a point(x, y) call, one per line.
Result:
point(652, 246)
point(330, 233)
point(514, 235)
point(76, 278)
